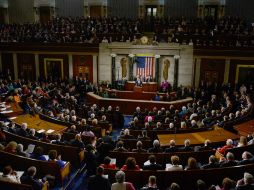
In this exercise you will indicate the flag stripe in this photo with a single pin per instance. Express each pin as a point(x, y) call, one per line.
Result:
point(145, 66)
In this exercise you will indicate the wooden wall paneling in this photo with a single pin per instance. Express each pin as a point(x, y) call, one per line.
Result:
point(233, 68)
point(212, 70)
point(26, 66)
point(83, 64)
point(7, 65)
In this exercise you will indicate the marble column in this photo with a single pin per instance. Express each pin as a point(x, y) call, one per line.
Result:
point(197, 72)
point(176, 71)
point(15, 65)
point(95, 69)
point(37, 67)
point(70, 60)
point(157, 67)
point(113, 68)
point(131, 63)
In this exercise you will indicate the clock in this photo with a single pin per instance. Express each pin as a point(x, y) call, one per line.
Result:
point(144, 40)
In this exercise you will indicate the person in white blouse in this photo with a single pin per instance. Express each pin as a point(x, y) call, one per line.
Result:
point(174, 166)
point(9, 175)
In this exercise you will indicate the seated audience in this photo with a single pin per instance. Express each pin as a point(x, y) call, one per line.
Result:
point(230, 161)
point(247, 158)
point(207, 146)
point(58, 140)
point(106, 163)
point(139, 148)
point(187, 147)
point(72, 129)
point(172, 147)
point(11, 147)
point(130, 164)
point(9, 175)
point(120, 182)
point(126, 135)
point(174, 166)
point(143, 136)
point(152, 184)
point(242, 142)
point(20, 151)
point(98, 181)
point(229, 144)
point(247, 183)
point(120, 147)
point(213, 163)
point(151, 164)
point(77, 142)
point(156, 147)
point(53, 157)
point(192, 164)
point(38, 154)
point(29, 178)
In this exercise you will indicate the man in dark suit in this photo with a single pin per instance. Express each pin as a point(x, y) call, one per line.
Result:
point(97, 181)
point(172, 147)
point(247, 183)
point(230, 160)
point(23, 130)
point(118, 119)
point(29, 179)
point(207, 146)
point(153, 165)
point(212, 163)
point(187, 147)
point(247, 158)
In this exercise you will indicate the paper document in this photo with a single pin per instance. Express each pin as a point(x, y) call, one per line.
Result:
point(113, 161)
point(30, 148)
point(41, 131)
point(50, 131)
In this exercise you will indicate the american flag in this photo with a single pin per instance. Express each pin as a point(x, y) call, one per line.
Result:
point(145, 66)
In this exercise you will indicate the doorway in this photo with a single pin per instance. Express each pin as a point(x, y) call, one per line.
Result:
point(44, 14)
point(211, 11)
point(53, 68)
point(150, 15)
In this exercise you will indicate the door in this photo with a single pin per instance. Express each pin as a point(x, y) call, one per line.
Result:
point(53, 68)
point(95, 11)
point(150, 15)
point(211, 76)
point(211, 11)
point(44, 14)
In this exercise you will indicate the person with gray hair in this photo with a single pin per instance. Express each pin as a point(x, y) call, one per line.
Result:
point(23, 130)
point(187, 147)
point(247, 183)
point(29, 178)
point(156, 147)
point(230, 160)
point(20, 151)
point(120, 182)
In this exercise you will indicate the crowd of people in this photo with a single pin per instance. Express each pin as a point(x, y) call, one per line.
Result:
point(61, 100)
point(224, 32)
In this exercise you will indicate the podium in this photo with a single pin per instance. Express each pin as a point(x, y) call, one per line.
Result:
point(138, 89)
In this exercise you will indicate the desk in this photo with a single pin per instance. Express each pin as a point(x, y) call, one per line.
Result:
point(217, 135)
point(128, 106)
point(146, 87)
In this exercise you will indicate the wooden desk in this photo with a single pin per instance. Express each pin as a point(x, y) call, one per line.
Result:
point(217, 135)
point(128, 106)
point(146, 87)
point(34, 122)
point(245, 128)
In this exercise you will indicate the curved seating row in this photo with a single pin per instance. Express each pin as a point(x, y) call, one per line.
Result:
point(187, 179)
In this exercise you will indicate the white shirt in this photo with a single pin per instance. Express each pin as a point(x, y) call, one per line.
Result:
point(10, 178)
